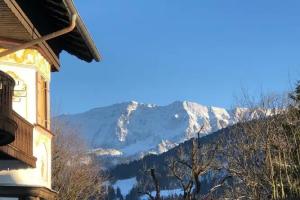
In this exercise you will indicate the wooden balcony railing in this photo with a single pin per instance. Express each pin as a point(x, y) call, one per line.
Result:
point(22, 147)
point(7, 124)
point(15, 132)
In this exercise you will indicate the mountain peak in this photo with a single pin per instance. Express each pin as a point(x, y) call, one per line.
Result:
point(135, 128)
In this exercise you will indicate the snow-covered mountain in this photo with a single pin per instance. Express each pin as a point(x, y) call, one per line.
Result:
point(132, 129)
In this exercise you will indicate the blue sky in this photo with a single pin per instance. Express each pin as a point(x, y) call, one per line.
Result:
point(159, 51)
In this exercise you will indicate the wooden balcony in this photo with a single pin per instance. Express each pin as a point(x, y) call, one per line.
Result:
point(15, 132)
point(22, 147)
point(7, 125)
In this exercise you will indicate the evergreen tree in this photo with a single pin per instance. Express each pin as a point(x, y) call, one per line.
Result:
point(296, 95)
point(134, 194)
point(111, 195)
point(119, 195)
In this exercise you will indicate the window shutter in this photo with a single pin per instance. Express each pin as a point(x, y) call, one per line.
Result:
point(42, 101)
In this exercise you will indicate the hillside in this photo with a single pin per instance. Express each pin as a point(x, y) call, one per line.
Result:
point(131, 176)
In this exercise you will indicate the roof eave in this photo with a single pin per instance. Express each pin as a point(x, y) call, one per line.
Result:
point(45, 49)
point(83, 30)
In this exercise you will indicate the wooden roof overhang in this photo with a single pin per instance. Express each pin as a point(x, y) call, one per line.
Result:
point(22, 21)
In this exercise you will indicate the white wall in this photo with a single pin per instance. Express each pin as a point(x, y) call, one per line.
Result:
point(26, 107)
point(13, 172)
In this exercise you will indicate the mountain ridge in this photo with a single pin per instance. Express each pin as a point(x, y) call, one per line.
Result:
point(135, 129)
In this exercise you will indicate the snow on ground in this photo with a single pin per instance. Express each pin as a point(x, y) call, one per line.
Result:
point(106, 152)
point(125, 185)
point(164, 193)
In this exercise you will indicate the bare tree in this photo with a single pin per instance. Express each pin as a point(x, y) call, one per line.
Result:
point(150, 183)
point(76, 175)
point(155, 184)
point(190, 166)
point(262, 154)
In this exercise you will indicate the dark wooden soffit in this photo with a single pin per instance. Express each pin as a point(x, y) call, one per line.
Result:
point(16, 28)
point(27, 191)
point(51, 15)
point(10, 26)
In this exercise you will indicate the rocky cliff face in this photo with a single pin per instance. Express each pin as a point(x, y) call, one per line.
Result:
point(134, 129)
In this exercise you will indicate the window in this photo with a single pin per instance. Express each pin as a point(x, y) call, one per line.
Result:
point(42, 102)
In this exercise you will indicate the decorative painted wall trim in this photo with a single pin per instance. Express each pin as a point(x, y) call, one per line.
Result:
point(30, 57)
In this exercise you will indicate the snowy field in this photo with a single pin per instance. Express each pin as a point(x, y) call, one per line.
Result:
point(164, 193)
point(125, 185)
